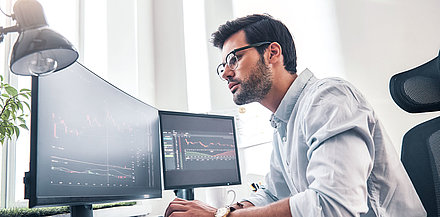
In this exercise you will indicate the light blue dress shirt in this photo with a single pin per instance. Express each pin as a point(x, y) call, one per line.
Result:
point(332, 156)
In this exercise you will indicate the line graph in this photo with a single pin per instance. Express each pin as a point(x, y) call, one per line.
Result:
point(100, 174)
point(209, 154)
point(62, 127)
point(210, 144)
point(88, 163)
point(181, 148)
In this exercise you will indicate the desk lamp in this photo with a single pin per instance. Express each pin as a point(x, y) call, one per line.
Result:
point(38, 49)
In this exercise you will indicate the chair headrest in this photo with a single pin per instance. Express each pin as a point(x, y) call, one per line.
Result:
point(418, 89)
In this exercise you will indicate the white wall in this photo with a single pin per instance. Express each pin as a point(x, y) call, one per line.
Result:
point(382, 38)
point(169, 58)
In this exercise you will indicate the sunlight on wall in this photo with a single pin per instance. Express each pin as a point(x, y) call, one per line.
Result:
point(95, 37)
point(196, 55)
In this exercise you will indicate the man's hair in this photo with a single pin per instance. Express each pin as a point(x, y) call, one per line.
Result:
point(259, 28)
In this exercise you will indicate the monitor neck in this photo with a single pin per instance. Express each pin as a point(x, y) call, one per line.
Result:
point(85, 210)
point(187, 194)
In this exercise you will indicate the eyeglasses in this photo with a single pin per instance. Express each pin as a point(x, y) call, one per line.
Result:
point(232, 59)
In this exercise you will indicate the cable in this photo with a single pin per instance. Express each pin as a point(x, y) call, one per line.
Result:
point(5, 13)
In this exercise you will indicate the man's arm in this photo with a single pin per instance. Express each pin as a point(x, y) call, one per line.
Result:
point(280, 208)
point(183, 208)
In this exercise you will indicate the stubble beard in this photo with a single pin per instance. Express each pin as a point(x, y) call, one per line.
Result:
point(257, 85)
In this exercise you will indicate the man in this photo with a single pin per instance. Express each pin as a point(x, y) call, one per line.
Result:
point(331, 155)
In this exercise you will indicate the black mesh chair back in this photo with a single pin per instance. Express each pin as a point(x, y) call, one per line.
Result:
point(418, 90)
point(421, 158)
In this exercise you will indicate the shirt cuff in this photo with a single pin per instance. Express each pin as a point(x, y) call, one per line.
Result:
point(259, 198)
point(305, 204)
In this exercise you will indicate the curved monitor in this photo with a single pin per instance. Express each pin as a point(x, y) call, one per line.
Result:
point(90, 142)
point(198, 150)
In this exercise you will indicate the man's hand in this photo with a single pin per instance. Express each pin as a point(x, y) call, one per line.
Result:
point(181, 208)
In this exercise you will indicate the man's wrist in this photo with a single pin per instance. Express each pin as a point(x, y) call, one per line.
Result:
point(223, 212)
point(236, 206)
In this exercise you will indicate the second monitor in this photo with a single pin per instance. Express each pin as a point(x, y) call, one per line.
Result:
point(198, 150)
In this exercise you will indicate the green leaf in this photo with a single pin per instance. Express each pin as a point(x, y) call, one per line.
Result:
point(25, 95)
point(11, 90)
point(21, 119)
point(24, 126)
point(20, 106)
point(27, 105)
point(25, 90)
point(6, 114)
point(9, 131)
point(17, 131)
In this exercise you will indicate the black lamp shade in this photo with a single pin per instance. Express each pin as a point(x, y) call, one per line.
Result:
point(42, 44)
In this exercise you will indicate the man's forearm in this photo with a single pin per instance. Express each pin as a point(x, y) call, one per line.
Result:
point(277, 209)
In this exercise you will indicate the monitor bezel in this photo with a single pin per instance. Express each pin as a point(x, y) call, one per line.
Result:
point(166, 187)
point(39, 201)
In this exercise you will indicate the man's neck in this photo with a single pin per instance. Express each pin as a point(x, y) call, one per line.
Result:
point(280, 86)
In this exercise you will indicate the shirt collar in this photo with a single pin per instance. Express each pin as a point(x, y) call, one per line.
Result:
point(284, 110)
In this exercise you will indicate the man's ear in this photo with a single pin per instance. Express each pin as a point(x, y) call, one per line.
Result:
point(275, 52)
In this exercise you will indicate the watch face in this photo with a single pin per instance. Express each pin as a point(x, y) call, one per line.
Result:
point(221, 212)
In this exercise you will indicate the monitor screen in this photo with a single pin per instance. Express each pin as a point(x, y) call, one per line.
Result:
point(198, 150)
point(90, 141)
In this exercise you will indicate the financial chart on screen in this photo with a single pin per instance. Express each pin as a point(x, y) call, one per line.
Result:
point(198, 150)
point(91, 141)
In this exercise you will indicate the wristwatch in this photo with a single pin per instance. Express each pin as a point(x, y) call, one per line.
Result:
point(223, 212)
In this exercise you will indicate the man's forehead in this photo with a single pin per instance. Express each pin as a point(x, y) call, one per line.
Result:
point(235, 41)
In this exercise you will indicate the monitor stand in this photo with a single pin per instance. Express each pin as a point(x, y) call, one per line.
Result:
point(85, 210)
point(187, 194)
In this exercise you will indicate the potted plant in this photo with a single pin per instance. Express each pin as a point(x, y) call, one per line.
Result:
point(12, 114)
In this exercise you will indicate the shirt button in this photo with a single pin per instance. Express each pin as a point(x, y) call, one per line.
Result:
point(284, 139)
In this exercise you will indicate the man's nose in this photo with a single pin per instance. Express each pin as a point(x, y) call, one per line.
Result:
point(228, 73)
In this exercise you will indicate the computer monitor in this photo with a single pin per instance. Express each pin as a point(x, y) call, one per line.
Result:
point(198, 150)
point(90, 142)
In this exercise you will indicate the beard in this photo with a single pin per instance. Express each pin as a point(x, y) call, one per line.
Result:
point(256, 86)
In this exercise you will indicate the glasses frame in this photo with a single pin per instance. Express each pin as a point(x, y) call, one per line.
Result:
point(233, 52)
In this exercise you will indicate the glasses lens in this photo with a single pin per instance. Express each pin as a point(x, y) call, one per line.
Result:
point(232, 61)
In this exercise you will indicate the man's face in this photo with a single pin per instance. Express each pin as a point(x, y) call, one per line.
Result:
point(252, 79)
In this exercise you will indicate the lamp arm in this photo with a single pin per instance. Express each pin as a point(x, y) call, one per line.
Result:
point(7, 30)
point(4, 31)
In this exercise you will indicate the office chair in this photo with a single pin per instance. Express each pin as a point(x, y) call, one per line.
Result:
point(418, 90)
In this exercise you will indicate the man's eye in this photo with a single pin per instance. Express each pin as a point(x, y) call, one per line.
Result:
point(232, 61)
